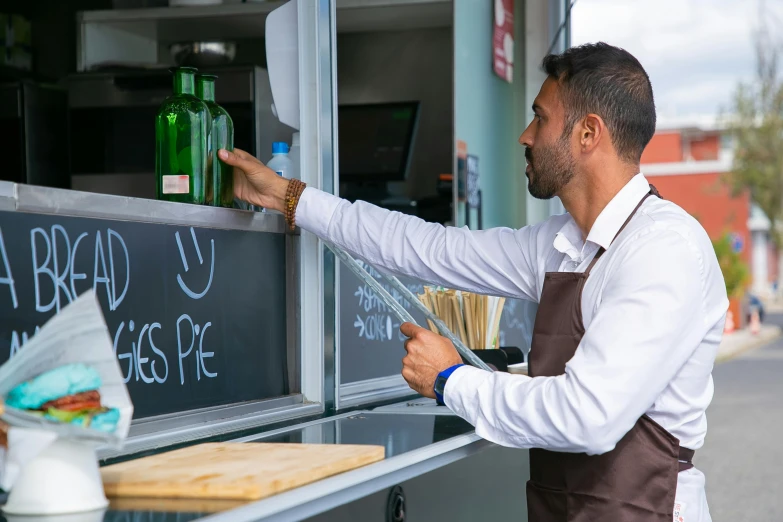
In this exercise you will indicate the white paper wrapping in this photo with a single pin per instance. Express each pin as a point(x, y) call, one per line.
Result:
point(78, 334)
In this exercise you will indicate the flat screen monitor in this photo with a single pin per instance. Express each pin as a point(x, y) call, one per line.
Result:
point(376, 141)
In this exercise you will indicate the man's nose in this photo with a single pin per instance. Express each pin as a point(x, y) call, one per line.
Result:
point(526, 138)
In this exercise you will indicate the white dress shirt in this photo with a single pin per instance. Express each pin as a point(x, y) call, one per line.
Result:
point(653, 308)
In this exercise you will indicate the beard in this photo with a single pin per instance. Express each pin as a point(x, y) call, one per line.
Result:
point(551, 168)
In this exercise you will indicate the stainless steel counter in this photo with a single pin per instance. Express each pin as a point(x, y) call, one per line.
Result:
point(416, 445)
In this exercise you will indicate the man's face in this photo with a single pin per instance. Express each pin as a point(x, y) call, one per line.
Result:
point(550, 162)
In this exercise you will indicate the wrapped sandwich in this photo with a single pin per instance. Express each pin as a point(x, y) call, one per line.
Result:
point(68, 394)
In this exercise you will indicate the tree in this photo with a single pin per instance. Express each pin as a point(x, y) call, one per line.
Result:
point(735, 272)
point(755, 122)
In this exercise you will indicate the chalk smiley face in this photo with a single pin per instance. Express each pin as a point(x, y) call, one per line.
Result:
point(190, 293)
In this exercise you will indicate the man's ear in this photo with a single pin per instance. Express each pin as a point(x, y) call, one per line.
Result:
point(591, 131)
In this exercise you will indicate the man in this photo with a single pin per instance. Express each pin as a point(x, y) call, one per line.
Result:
point(631, 302)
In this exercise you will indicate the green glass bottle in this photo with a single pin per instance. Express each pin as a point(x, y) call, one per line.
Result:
point(220, 177)
point(181, 132)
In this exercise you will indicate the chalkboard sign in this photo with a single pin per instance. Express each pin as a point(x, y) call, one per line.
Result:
point(371, 345)
point(197, 315)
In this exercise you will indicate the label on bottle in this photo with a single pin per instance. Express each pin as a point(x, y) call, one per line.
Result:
point(279, 173)
point(176, 184)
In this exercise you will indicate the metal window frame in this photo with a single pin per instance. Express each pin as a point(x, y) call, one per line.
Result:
point(327, 67)
point(367, 392)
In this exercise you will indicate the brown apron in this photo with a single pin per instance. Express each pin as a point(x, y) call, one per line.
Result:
point(634, 482)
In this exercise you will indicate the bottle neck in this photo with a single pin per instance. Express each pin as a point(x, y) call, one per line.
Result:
point(183, 82)
point(206, 90)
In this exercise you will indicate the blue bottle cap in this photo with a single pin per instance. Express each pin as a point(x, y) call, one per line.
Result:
point(280, 147)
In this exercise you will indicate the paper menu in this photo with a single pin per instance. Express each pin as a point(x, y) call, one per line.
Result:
point(78, 334)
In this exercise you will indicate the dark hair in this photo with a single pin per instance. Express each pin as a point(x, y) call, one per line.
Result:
point(608, 81)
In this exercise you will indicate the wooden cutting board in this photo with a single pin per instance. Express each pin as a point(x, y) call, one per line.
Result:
point(240, 471)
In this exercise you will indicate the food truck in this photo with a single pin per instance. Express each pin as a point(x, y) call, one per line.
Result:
point(230, 329)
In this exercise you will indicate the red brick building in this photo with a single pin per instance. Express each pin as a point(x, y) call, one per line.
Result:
point(687, 165)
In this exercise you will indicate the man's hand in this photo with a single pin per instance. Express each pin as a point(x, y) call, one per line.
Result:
point(428, 355)
point(254, 182)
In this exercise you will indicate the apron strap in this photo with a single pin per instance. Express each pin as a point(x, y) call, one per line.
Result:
point(685, 459)
point(653, 192)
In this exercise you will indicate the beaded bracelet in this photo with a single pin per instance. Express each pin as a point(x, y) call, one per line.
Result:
point(292, 195)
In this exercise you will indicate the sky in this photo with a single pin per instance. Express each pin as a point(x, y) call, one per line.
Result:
point(695, 51)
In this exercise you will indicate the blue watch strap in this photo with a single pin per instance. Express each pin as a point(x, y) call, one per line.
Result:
point(441, 379)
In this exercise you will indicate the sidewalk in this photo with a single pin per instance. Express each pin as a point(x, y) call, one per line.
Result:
point(741, 341)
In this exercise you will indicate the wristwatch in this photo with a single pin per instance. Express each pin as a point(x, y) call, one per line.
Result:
point(440, 383)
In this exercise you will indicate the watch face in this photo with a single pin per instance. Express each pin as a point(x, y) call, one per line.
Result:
point(440, 384)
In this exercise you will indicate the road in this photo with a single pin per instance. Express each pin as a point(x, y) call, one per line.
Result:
point(742, 457)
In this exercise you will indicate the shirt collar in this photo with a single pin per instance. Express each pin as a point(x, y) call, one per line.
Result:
point(612, 217)
point(568, 239)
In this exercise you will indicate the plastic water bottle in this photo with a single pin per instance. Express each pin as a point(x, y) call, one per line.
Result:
point(293, 154)
point(280, 161)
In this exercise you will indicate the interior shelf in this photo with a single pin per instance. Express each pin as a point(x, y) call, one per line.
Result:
point(247, 20)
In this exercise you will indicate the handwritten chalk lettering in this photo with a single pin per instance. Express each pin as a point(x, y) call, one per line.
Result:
point(112, 235)
point(369, 300)
point(190, 293)
point(41, 268)
point(62, 279)
point(141, 361)
point(7, 278)
point(389, 328)
point(184, 317)
point(402, 299)
point(125, 355)
point(59, 277)
point(135, 359)
point(201, 355)
point(72, 274)
point(378, 324)
point(374, 327)
point(104, 278)
point(194, 331)
point(16, 345)
point(159, 353)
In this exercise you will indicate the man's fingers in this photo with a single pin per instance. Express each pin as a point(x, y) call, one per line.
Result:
point(412, 346)
point(245, 155)
point(239, 158)
point(410, 329)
